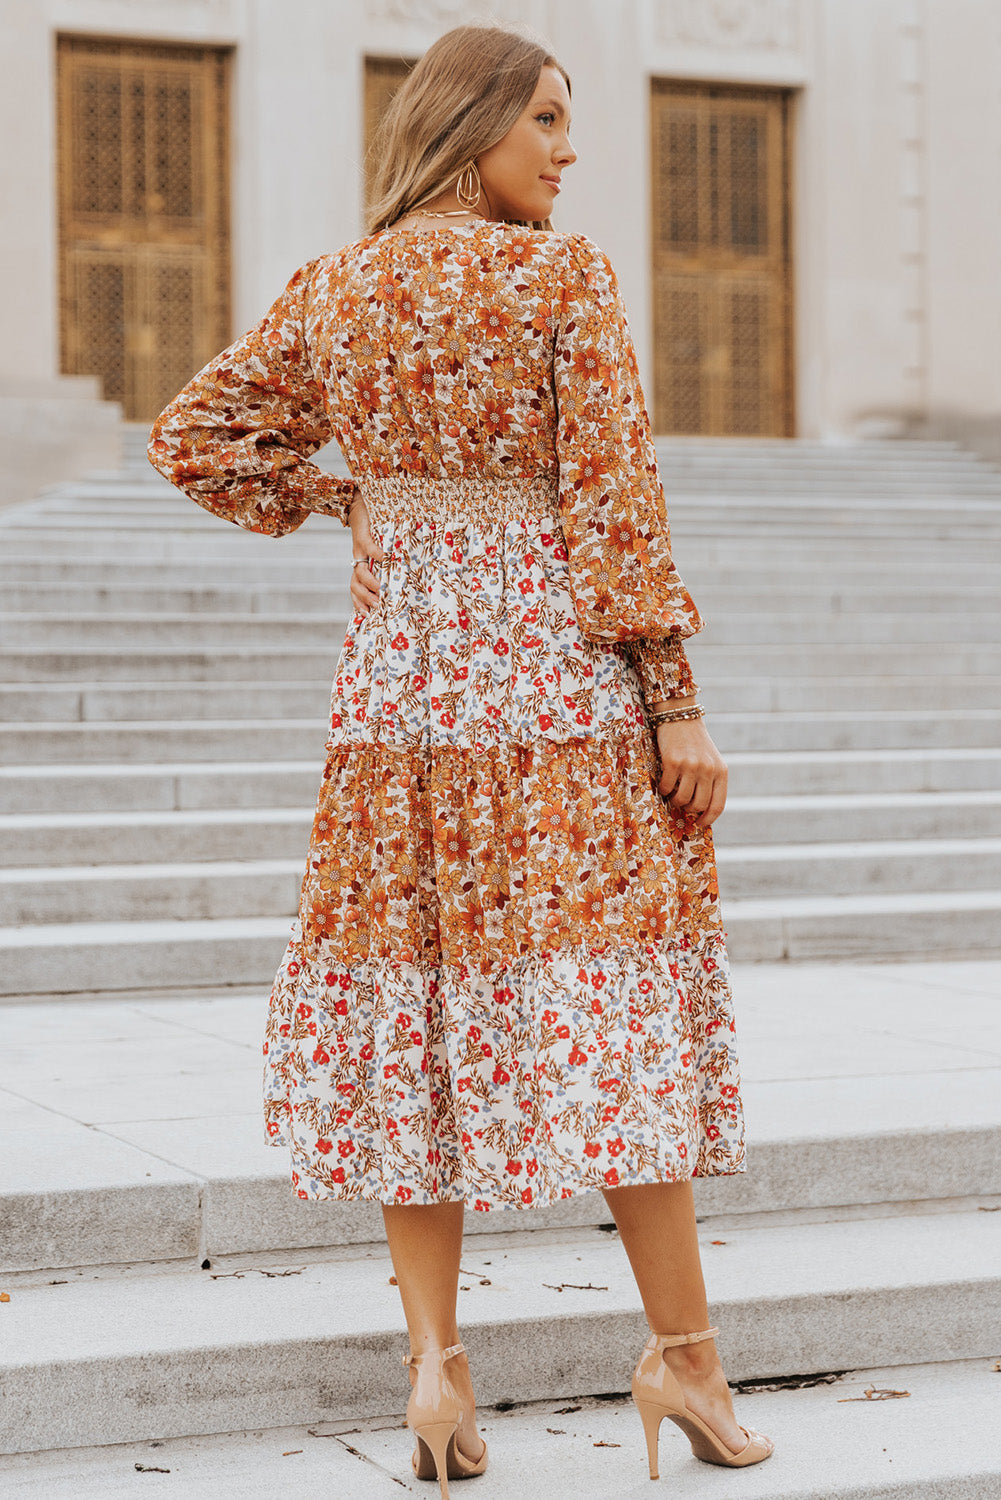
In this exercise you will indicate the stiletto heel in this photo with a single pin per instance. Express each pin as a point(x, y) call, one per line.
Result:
point(438, 1437)
point(433, 1416)
point(657, 1393)
point(652, 1417)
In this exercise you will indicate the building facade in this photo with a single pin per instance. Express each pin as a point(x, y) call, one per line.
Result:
point(801, 198)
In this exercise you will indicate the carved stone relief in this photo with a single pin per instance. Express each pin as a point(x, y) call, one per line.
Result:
point(444, 12)
point(766, 24)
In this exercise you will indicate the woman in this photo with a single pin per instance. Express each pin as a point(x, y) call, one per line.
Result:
point(507, 982)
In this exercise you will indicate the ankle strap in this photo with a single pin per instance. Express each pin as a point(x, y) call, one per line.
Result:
point(413, 1359)
point(669, 1340)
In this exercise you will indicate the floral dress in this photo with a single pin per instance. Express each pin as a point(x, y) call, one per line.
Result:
point(507, 981)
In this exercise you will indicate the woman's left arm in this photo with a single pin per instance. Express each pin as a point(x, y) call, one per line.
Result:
point(238, 437)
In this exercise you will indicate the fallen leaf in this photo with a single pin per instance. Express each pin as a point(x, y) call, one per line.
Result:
point(717, 1242)
point(393, 1281)
point(874, 1393)
point(606, 1445)
point(4, 1296)
point(997, 1366)
point(993, 1208)
point(557, 1431)
point(564, 1411)
point(149, 1469)
point(289, 1452)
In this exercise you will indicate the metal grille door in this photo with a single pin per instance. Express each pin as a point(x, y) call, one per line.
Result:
point(143, 215)
point(383, 76)
point(722, 273)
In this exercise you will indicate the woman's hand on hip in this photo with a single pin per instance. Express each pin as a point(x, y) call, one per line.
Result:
point(693, 774)
point(364, 588)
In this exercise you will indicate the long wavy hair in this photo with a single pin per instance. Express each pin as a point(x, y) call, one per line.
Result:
point(458, 100)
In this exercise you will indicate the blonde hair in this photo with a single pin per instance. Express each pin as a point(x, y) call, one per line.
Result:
point(458, 100)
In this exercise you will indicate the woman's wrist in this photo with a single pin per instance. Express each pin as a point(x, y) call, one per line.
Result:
point(663, 704)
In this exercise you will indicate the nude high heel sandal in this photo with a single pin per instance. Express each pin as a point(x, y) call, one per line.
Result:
point(433, 1415)
point(658, 1394)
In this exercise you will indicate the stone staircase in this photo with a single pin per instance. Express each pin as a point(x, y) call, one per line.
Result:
point(165, 680)
point(163, 734)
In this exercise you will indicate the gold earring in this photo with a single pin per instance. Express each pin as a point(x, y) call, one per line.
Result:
point(467, 189)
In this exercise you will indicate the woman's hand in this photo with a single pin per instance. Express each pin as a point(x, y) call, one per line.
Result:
point(364, 588)
point(693, 773)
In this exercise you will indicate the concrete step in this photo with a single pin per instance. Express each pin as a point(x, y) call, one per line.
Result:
point(134, 1136)
point(199, 632)
point(871, 925)
point(73, 958)
point(51, 742)
point(264, 601)
point(139, 1116)
point(131, 786)
point(38, 839)
point(180, 891)
point(43, 703)
point(192, 891)
point(78, 957)
point(777, 871)
point(197, 833)
point(213, 695)
point(197, 1352)
point(200, 629)
point(153, 740)
point(315, 655)
point(590, 1450)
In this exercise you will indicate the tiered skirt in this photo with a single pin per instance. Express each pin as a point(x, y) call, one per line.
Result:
point(507, 982)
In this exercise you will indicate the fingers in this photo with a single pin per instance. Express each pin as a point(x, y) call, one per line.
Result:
point(693, 773)
point(364, 588)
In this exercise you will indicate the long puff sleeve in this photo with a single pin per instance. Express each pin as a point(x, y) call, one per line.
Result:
point(238, 436)
point(622, 576)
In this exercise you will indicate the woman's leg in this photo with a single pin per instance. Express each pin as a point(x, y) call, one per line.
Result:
point(657, 1228)
point(425, 1242)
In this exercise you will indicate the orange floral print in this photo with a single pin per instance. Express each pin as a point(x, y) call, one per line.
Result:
point(507, 981)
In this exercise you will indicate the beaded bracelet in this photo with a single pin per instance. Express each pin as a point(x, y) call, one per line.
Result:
point(675, 715)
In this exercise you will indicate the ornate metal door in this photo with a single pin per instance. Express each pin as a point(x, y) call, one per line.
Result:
point(143, 215)
point(383, 76)
point(722, 273)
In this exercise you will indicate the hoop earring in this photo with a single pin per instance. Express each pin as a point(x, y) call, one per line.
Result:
point(467, 189)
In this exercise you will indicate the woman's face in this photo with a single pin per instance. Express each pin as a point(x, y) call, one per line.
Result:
point(521, 173)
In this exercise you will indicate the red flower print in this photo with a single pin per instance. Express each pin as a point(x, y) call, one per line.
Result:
point(321, 1056)
point(576, 1057)
point(501, 648)
point(526, 1195)
point(338, 1175)
point(400, 642)
point(616, 1147)
point(513, 1167)
point(563, 1032)
point(346, 1148)
point(404, 1194)
point(592, 1149)
point(323, 1145)
point(545, 721)
point(612, 1177)
point(501, 1075)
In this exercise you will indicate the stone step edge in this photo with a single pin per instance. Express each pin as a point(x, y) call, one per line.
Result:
point(221, 816)
point(791, 1180)
point(790, 1301)
point(893, 1451)
point(764, 855)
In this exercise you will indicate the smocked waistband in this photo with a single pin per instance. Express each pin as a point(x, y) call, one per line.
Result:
point(410, 499)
